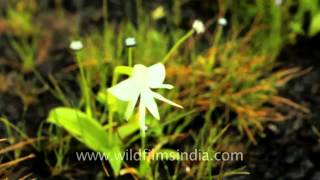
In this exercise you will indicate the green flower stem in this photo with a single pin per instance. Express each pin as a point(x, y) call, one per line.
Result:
point(176, 45)
point(143, 139)
point(85, 87)
point(115, 78)
point(144, 162)
point(217, 36)
point(110, 124)
point(105, 13)
point(130, 56)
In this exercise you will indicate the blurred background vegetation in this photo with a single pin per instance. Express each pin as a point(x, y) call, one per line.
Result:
point(227, 79)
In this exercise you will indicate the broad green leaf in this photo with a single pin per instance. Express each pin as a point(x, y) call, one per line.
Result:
point(90, 132)
point(315, 25)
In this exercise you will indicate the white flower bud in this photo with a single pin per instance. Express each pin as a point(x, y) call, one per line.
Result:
point(198, 26)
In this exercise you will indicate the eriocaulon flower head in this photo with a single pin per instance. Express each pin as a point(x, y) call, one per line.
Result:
point(198, 26)
point(141, 82)
point(130, 42)
point(76, 45)
point(222, 21)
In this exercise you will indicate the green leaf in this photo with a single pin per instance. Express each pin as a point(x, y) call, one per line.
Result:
point(90, 132)
point(129, 128)
point(315, 25)
point(119, 107)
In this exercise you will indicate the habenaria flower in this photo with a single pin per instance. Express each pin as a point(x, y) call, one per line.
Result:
point(140, 84)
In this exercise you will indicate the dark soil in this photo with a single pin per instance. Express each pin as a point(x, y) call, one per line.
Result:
point(291, 149)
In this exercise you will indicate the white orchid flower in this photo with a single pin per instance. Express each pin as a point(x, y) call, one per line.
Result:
point(141, 82)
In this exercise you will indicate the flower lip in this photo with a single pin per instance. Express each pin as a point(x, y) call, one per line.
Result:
point(140, 76)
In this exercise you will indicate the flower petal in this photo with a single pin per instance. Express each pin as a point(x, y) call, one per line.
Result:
point(148, 101)
point(156, 75)
point(142, 116)
point(130, 107)
point(164, 86)
point(161, 98)
point(125, 90)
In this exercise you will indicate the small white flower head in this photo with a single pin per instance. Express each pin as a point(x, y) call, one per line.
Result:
point(76, 45)
point(198, 26)
point(140, 85)
point(278, 2)
point(222, 21)
point(130, 42)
